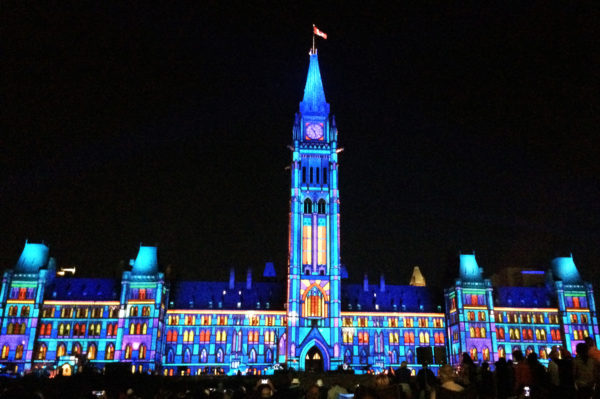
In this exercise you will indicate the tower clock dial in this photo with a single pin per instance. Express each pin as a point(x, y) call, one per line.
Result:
point(314, 131)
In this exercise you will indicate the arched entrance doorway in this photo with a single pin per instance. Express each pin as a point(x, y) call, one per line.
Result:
point(313, 361)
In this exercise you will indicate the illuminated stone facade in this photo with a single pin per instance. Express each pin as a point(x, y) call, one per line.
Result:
point(315, 321)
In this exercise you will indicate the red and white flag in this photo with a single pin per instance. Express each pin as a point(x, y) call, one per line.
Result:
point(317, 32)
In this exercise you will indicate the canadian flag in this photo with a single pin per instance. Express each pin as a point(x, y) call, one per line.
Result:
point(317, 32)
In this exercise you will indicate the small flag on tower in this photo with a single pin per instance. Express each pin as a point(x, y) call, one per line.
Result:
point(317, 32)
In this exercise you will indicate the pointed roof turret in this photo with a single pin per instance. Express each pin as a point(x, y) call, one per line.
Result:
point(33, 258)
point(469, 269)
point(146, 262)
point(563, 268)
point(417, 278)
point(314, 102)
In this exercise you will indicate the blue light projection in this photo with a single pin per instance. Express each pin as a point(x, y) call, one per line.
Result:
point(146, 261)
point(314, 96)
point(469, 269)
point(564, 269)
point(309, 321)
point(33, 258)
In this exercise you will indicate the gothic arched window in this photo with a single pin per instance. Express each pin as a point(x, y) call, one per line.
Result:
point(307, 206)
point(109, 352)
point(321, 206)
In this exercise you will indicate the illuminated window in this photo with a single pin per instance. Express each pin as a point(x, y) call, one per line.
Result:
point(92, 351)
point(409, 337)
point(76, 350)
point(270, 337)
point(501, 352)
point(394, 338)
point(222, 320)
point(482, 316)
point(61, 350)
point(473, 353)
point(221, 336)
point(19, 352)
point(188, 336)
point(482, 332)
point(48, 311)
point(133, 311)
point(424, 338)
point(203, 356)
point(146, 311)
point(408, 322)
point(254, 320)
point(576, 302)
point(474, 300)
point(485, 353)
point(41, 352)
point(500, 332)
point(322, 245)
point(109, 352)
point(392, 322)
point(363, 338)
point(206, 336)
point(269, 321)
point(471, 316)
point(190, 320)
point(220, 356)
point(25, 311)
point(128, 352)
point(437, 322)
point(348, 336)
point(252, 337)
point(307, 244)
point(499, 317)
point(142, 294)
point(5, 350)
point(423, 322)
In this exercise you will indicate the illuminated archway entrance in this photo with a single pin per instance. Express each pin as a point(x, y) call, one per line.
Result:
point(313, 361)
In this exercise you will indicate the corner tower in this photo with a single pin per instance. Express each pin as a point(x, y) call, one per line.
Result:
point(314, 256)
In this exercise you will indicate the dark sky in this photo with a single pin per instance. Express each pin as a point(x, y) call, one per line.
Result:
point(463, 128)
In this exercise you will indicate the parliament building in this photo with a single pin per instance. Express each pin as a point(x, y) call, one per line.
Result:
point(314, 322)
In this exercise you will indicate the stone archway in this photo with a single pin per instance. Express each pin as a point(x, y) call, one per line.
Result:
point(313, 361)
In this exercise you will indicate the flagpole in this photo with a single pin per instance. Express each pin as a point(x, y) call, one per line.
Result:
point(313, 37)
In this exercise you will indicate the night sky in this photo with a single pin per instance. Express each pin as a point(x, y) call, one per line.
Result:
point(463, 128)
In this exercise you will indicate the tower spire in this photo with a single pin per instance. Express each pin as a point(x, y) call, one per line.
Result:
point(314, 102)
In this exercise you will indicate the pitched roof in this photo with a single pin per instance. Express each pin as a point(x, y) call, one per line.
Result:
point(395, 298)
point(200, 295)
point(83, 289)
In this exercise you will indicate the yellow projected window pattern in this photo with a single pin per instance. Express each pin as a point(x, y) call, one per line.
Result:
point(306, 245)
point(322, 248)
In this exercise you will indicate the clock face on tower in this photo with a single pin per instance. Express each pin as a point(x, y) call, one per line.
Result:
point(314, 131)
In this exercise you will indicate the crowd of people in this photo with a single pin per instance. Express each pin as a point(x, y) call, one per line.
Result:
point(521, 377)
